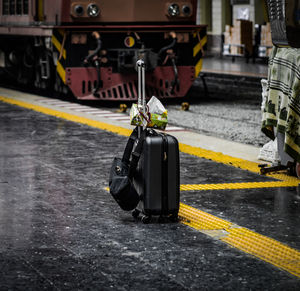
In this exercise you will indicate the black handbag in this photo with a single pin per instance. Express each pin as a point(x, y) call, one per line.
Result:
point(122, 172)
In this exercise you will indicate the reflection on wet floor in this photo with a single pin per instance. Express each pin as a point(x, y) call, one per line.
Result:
point(239, 66)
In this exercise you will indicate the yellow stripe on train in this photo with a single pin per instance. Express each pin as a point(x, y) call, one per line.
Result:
point(61, 71)
point(198, 67)
point(199, 45)
point(58, 46)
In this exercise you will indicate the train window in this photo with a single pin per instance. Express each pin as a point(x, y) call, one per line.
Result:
point(132, 93)
point(120, 92)
point(12, 7)
point(160, 82)
point(25, 7)
point(83, 87)
point(5, 7)
point(126, 90)
point(115, 92)
point(19, 7)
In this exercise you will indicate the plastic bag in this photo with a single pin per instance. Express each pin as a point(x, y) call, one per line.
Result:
point(156, 116)
point(138, 118)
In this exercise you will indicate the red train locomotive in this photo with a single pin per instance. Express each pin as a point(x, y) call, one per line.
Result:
point(91, 47)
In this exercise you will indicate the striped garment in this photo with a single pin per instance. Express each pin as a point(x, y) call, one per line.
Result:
point(282, 106)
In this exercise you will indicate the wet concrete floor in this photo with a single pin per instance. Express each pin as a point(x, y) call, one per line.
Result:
point(61, 230)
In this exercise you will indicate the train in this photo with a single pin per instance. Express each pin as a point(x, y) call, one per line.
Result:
point(90, 48)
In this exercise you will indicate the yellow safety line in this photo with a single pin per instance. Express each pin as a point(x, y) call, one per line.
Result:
point(284, 177)
point(235, 186)
point(201, 220)
point(244, 185)
point(260, 246)
point(232, 161)
point(70, 117)
point(220, 158)
point(265, 248)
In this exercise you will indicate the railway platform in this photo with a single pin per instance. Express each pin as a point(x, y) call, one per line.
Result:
point(61, 230)
point(223, 78)
point(224, 65)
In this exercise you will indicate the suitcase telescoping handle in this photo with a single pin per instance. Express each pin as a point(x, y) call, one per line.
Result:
point(141, 85)
point(141, 89)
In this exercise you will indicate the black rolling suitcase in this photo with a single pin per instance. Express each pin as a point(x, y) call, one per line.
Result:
point(157, 176)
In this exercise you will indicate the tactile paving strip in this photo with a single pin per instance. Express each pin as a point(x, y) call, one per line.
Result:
point(265, 248)
point(201, 220)
point(260, 246)
point(71, 117)
point(220, 158)
point(284, 177)
point(236, 162)
point(245, 185)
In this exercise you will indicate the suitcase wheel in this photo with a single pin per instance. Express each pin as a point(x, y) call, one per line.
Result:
point(135, 213)
point(146, 219)
point(174, 217)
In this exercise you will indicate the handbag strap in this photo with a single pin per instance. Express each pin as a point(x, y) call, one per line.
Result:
point(136, 153)
point(129, 146)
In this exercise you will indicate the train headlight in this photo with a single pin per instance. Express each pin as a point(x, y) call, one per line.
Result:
point(78, 9)
point(186, 10)
point(93, 10)
point(173, 10)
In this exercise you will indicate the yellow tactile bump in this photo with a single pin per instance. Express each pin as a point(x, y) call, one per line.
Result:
point(284, 177)
point(220, 158)
point(70, 117)
point(260, 246)
point(232, 161)
point(201, 220)
point(244, 185)
point(265, 248)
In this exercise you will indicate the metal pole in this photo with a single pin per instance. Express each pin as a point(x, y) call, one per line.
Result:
point(139, 84)
point(141, 89)
point(143, 92)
